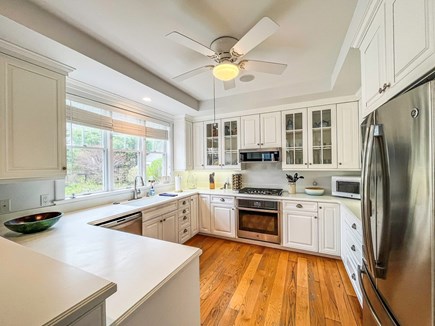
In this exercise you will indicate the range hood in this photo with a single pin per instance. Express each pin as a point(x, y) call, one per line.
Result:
point(266, 155)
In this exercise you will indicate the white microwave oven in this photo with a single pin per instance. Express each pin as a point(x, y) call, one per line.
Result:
point(349, 187)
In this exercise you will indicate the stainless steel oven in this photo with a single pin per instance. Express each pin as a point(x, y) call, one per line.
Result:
point(259, 220)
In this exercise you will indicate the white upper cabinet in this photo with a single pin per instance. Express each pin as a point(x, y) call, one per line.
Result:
point(198, 145)
point(261, 130)
point(348, 136)
point(294, 139)
point(183, 144)
point(212, 144)
point(230, 143)
point(397, 48)
point(32, 121)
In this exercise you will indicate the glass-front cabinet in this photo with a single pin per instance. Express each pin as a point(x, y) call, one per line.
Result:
point(294, 140)
point(222, 142)
point(212, 144)
point(322, 137)
point(309, 138)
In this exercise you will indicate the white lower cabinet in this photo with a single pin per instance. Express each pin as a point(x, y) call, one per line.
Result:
point(204, 214)
point(194, 222)
point(329, 229)
point(312, 227)
point(223, 220)
point(163, 228)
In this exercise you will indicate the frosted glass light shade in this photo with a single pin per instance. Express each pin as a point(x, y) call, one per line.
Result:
point(226, 71)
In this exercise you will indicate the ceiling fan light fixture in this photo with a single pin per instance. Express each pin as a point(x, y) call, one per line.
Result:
point(226, 71)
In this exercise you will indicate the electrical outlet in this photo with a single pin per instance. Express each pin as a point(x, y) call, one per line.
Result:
point(44, 200)
point(5, 206)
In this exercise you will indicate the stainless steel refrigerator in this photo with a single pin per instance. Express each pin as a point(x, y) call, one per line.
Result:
point(397, 272)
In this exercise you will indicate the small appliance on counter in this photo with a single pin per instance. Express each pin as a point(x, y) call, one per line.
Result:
point(348, 187)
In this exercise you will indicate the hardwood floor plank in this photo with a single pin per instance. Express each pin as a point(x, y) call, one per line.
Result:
point(274, 308)
point(244, 284)
point(344, 308)
point(246, 280)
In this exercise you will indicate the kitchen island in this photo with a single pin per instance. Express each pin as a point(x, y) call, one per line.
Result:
point(157, 281)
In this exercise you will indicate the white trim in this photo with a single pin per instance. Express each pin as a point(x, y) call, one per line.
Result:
point(369, 15)
point(34, 58)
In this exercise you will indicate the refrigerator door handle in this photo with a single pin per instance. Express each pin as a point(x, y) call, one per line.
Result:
point(366, 204)
point(365, 296)
point(382, 259)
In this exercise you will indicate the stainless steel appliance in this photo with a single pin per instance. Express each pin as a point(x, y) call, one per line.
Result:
point(260, 155)
point(258, 220)
point(261, 191)
point(130, 223)
point(348, 187)
point(396, 276)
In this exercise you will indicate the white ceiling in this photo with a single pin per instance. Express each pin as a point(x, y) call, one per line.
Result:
point(309, 41)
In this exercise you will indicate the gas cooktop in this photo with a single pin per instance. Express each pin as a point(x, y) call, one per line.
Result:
point(261, 191)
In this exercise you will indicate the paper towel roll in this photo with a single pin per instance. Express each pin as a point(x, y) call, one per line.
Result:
point(178, 184)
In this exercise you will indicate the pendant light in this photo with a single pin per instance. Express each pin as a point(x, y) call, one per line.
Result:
point(226, 71)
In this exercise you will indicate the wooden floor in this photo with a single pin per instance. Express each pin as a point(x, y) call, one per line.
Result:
point(243, 284)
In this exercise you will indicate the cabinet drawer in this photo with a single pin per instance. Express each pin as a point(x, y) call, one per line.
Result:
point(352, 270)
point(183, 211)
point(184, 234)
point(353, 223)
point(184, 220)
point(222, 200)
point(305, 206)
point(183, 203)
point(353, 247)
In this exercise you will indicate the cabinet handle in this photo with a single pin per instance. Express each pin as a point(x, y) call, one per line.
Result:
point(184, 202)
point(184, 218)
point(64, 168)
point(258, 144)
point(384, 87)
point(315, 217)
point(380, 90)
point(353, 248)
point(354, 226)
point(184, 211)
point(202, 164)
point(320, 207)
point(311, 163)
point(232, 209)
point(340, 163)
point(261, 144)
point(353, 276)
point(222, 199)
point(185, 231)
point(299, 206)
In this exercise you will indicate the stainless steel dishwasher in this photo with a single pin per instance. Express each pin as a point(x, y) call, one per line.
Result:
point(129, 223)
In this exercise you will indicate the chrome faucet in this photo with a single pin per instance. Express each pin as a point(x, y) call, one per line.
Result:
point(136, 190)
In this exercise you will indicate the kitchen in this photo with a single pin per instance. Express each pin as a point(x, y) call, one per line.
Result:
point(308, 114)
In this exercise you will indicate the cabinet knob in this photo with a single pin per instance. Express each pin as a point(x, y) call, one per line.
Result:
point(353, 276)
point(311, 163)
point(299, 206)
point(63, 168)
point(184, 211)
point(202, 164)
point(185, 231)
point(340, 163)
point(320, 207)
point(315, 217)
point(258, 144)
point(261, 144)
point(354, 226)
point(184, 218)
point(184, 202)
point(353, 248)
point(222, 199)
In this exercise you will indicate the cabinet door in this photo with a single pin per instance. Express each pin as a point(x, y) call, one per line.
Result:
point(329, 229)
point(300, 231)
point(348, 136)
point(223, 221)
point(230, 143)
point(294, 139)
point(212, 144)
point(250, 125)
point(194, 222)
point(410, 29)
point(322, 152)
point(183, 145)
point(189, 145)
point(152, 228)
point(32, 121)
point(373, 61)
point(170, 227)
point(198, 145)
point(270, 134)
point(204, 214)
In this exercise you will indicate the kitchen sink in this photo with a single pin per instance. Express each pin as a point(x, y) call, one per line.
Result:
point(143, 201)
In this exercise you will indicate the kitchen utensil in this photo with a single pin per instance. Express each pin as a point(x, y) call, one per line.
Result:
point(314, 191)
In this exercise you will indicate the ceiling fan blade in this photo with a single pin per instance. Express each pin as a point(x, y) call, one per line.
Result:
point(229, 84)
point(257, 34)
point(263, 66)
point(192, 73)
point(190, 43)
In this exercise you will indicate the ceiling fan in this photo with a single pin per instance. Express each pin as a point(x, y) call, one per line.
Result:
point(228, 51)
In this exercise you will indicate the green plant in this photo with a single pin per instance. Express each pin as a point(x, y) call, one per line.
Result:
point(293, 178)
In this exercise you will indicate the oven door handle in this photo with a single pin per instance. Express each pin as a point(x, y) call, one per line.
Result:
point(257, 210)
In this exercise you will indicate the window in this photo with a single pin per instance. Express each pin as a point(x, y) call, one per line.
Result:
point(107, 149)
point(85, 160)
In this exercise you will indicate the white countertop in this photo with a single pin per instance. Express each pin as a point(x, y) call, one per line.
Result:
point(138, 265)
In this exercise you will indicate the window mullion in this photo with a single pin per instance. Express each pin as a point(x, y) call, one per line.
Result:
point(108, 167)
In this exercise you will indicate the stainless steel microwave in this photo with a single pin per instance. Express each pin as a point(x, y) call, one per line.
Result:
point(260, 155)
point(349, 187)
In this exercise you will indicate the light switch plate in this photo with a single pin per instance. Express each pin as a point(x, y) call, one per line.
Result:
point(5, 206)
point(44, 200)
